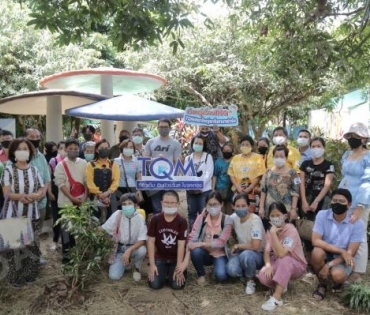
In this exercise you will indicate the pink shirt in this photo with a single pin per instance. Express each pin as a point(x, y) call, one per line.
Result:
point(3, 156)
point(290, 240)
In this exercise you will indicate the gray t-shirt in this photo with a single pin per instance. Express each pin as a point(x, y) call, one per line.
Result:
point(169, 148)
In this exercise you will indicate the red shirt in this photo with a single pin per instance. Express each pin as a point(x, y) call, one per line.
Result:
point(167, 235)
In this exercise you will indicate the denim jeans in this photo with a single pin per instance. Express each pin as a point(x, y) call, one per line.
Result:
point(244, 263)
point(196, 204)
point(117, 269)
point(166, 269)
point(200, 258)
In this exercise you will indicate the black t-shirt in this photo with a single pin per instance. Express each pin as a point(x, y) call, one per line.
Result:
point(315, 176)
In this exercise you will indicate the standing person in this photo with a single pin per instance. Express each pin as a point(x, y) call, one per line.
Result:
point(6, 138)
point(356, 178)
point(303, 141)
point(247, 255)
point(88, 133)
point(23, 185)
point(280, 137)
point(283, 256)
point(70, 172)
point(39, 161)
point(203, 164)
point(89, 150)
point(214, 139)
point(162, 146)
point(246, 170)
point(263, 145)
point(50, 150)
point(53, 191)
point(166, 245)
point(138, 139)
point(115, 151)
point(221, 180)
point(102, 178)
point(280, 184)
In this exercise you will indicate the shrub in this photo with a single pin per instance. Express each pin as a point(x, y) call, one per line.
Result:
point(357, 297)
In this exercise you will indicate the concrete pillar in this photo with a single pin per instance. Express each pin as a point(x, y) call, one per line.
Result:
point(127, 125)
point(107, 126)
point(54, 122)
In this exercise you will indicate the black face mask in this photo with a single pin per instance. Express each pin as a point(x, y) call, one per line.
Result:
point(88, 136)
point(263, 150)
point(36, 143)
point(354, 142)
point(227, 155)
point(103, 153)
point(6, 144)
point(122, 138)
point(338, 208)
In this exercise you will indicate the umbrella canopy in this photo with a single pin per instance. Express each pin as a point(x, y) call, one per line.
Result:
point(128, 108)
point(35, 103)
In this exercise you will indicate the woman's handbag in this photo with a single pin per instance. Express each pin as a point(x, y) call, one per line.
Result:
point(305, 227)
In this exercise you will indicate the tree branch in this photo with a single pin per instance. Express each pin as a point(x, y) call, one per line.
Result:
point(345, 13)
point(191, 90)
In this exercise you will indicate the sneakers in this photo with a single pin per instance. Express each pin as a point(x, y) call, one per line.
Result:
point(201, 280)
point(271, 304)
point(136, 276)
point(250, 287)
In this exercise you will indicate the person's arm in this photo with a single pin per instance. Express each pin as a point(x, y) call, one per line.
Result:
point(294, 191)
point(302, 188)
point(254, 245)
point(180, 251)
point(253, 184)
point(224, 236)
point(151, 254)
point(61, 180)
point(278, 248)
point(115, 178)
point(324, 191)
point(220, 136)
point(233, 180)
point(93, 189)
point(317, 241)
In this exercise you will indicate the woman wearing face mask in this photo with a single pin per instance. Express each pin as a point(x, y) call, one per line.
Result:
point(130, 169)
point(102, 178)
point(279, 184)
point(247, 254)
point(203, 164)
point(50, 150)
point(356, 178)
point(246, 170)
point(207, 239)
point(283, 256)
point(129, 233)
point(138, 140)
point(23, 186)
point(263, 145)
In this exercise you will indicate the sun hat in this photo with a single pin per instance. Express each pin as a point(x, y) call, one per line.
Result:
point(359, 129)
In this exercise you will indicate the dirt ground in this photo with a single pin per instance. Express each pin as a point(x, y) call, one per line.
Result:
point(126, 297)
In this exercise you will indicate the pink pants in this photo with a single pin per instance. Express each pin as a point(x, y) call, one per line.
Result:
point(284, 269)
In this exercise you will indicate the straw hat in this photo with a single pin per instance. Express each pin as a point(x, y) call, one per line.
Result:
point(359, 129)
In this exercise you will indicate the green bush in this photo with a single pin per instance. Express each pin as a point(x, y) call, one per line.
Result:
point(357, 297)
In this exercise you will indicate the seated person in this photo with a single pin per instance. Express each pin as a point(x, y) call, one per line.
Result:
point(129, 233)
point(166, 244)
point(283, 256)
point(336, 241)
point(247, 254)
point(206, 242)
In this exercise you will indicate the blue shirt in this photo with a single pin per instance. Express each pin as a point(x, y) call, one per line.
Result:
point(220, 171)
point(339, 234)
point(306, 155)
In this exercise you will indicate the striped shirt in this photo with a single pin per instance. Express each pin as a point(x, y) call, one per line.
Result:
point(129, 167)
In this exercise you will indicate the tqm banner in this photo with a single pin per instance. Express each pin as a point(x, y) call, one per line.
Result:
point(206, 116)
point(165, 175)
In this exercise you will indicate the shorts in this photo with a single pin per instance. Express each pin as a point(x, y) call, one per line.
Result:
point(347, 269)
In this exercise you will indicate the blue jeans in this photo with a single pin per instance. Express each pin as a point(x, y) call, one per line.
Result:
point(244, 263)
point(200, 258)
point(166, 269)
point(117, 269)
point(157, 202)
point(196, 204)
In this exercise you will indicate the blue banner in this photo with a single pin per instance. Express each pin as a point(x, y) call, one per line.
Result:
point(206, 116)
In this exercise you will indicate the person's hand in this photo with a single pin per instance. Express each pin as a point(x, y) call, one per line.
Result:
point(76, 201)
point(269, 271)
point(234, 248)
point(195, 245)
point(126, 257)
point(239, 189)
point(51, 196)
point(305, 206)
point(25, 199)
point(261, 211)
point(247, 190)
point(275, 229)
point(216, 129)
point(324, 272)
point(314, 206)
point(293, 215)
point(179, 278)
point(153, 271)
point(180, 268)
point(348, 259)
point(356, 214)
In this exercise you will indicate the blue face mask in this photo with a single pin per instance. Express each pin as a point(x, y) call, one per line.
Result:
point(241, 213)
point(197, 147)
point(89, 156)
point(128, 211)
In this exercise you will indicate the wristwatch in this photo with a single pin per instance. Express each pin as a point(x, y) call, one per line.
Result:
point(329, 264)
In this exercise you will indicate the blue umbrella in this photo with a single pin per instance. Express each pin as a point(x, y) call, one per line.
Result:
point(126, 107)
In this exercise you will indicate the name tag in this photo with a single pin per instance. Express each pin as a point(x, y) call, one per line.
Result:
point(297, 181)
point(288, 242)
point(256, 234)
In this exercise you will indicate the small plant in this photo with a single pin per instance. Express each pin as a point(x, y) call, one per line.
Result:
point(357, 297)
point(93, 244)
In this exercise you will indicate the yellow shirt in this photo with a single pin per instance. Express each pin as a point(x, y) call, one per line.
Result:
point(246, 169)
point(293, 161)
point(93, 189)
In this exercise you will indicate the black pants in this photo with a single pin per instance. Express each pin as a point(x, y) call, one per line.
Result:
point(56, 217)
point(68, 242)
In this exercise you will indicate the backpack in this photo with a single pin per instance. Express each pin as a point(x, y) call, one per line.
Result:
point(204, 223)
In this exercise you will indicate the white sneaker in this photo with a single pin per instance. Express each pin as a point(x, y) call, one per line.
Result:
point(250, 287)
point(271, 304)
point(136, 276)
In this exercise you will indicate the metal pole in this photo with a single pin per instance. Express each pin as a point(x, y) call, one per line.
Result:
point(54, 121)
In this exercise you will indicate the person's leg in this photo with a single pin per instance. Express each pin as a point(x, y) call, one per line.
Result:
point(117, 269)
point(156, 202)
point(219, 268)
point(173, 283)
point(56, 217)
point(199, 257)
point(318, 256)
point(250, 261)
point(138, 257)
point(192, 200)
point(340, 273)
point(42, 219)
point(233, 267)
point(201, 201)
point(160, 278)
point(265, 280)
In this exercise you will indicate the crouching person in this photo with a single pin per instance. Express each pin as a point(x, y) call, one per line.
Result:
point(166, 245)
point(336, 239)
point(283, 256)
point(129, 233)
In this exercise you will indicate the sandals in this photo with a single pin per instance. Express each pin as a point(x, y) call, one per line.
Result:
point(319, 293)
point(337, 288)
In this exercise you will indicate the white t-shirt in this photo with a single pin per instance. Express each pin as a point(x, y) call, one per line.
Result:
point(249, 230)
point(168, 148)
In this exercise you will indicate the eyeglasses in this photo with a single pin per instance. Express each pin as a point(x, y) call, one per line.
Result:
point(163, 128)
point(170, 203)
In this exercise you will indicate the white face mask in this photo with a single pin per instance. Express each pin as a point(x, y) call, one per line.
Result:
point(302, 142)
point(279, 162)
point(169, 210)
point(278, 140)
point(317, 152)
point(214, 211)
point(278, 221)
point(21, 155)
point(128, 151)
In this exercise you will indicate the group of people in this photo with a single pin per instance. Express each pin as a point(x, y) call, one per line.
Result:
point(258, 194)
